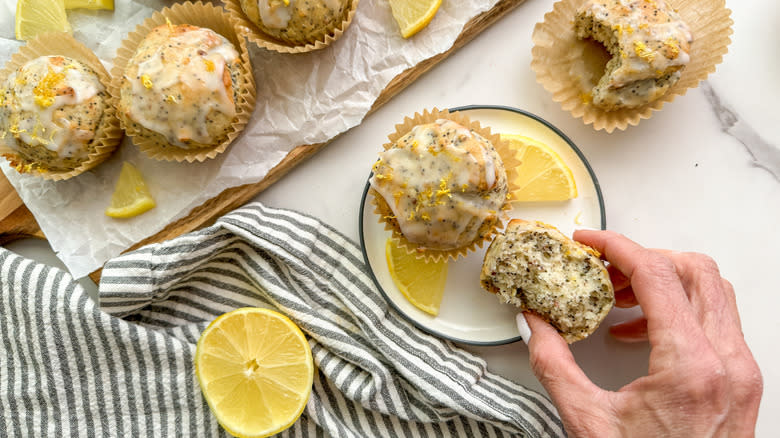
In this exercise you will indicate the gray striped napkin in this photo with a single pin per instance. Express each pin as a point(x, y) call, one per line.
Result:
point(68, 368)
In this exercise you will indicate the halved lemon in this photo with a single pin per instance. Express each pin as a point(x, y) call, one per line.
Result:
point(543, 175)
point(38, 16)
point(131, 196)
point(89, 4)
point(413, 15)
point(421, 282)
point(255, 370)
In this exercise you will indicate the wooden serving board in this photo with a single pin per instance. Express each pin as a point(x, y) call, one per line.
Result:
point(16, 221)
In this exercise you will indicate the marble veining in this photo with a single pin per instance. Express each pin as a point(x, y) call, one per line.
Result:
point(765, 155)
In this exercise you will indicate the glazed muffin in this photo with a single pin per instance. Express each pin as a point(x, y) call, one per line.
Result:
point(441, 186)
point(535, 267)
point(50, 111)
point(649, 44)
point(180, 87)
point(296, 22)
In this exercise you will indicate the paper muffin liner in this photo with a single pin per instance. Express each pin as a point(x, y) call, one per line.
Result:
point(108, 134)
point(560, 60)
point(253, 33)
point(385, 214)
point(201, 15)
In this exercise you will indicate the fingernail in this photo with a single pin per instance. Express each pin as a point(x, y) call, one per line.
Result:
point(582, 227)
point(523, 328)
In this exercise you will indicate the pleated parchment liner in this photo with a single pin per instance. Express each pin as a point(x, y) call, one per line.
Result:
point(253, 33)
point(201, 15)
point(508, 157)
point(567, 68)
point(108, 134)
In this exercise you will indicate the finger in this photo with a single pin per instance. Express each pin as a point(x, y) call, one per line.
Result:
point(619, 281)
point(554, 365)
point(584, 407)
point(712, 299)
point(731, 297)
point(625, 298)
point(655, 284)
point(630, 331)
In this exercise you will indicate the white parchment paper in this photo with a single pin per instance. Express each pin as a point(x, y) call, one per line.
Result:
point(301, 99)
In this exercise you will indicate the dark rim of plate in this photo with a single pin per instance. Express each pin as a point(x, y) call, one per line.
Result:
point(371, 269)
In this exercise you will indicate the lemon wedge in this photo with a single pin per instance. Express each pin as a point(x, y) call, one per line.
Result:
point(131, 196)
point(421, 282)
point(413, 15)
point(38, 16)
point(255, 370)
point(543, 176)
point(90, 4)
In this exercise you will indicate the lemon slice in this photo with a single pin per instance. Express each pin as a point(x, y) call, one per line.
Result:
point(420, 282)
point(131, 197)
point(89, 4)
point(413, 15)
point(543, 176)
point(255, 369)
point(39, 16)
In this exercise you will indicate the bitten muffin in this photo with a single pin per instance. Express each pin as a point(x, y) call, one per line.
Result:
point(441, 185)
point(297, 21)
point(180, 87)
point(50, 111)
point(535, 267)
point(649, 44)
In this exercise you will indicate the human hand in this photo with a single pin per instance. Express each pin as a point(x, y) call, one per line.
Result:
point(702, 380)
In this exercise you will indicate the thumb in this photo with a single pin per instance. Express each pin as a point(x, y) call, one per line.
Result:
point(554, 366)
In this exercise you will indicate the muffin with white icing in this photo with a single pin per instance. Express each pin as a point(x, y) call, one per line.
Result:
point(440, 186)
point(613, 63)
point(180, 88)
point(649, 44)
point(298, 22)
point(51, 109)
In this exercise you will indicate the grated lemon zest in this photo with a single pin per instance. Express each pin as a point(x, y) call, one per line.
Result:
point(643, 51)
point(671, 43)
point(147, 81)
point(44, 91)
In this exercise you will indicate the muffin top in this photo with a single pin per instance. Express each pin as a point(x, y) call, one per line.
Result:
point(50, 109)
point(648, 35)
point(296, 21)
point(181, 84)
point(442, 182)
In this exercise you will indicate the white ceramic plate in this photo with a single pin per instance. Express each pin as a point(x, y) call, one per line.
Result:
point(468, 313)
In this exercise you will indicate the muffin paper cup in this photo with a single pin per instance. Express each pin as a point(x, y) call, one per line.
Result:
point(562, 67)
point(201, 15)
point(108, 134)
point(253, 33)
point(385, 214)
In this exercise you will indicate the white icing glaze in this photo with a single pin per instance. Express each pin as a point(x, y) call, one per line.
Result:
point(181, 83)
point(276, 14)
point(42, 128)
point(441, 183)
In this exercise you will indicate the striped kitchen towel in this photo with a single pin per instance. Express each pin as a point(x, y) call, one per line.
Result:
point(69, 368)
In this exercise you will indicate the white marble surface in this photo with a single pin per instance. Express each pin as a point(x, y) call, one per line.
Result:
point(678, 180)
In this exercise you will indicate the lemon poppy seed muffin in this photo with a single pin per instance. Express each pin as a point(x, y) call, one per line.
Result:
point(180, 87)
point(537, 268)
point(649, 44)
point(50, 111)
point(441, 186)
point(297, 21)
